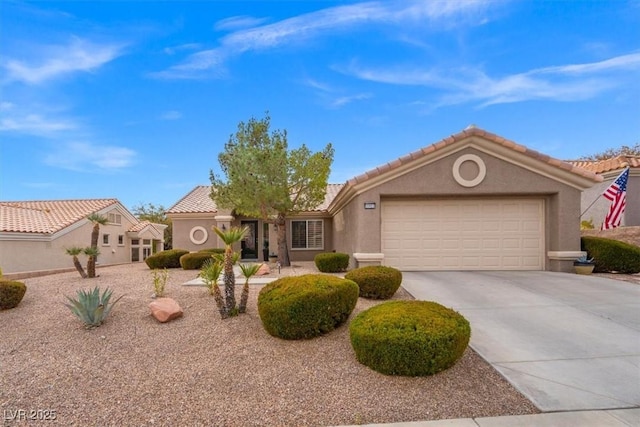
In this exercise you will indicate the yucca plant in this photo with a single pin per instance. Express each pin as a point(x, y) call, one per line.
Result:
point(74, 251)
point(210, 273)
point(248, 270)
point(91, 307)
point(229, 237)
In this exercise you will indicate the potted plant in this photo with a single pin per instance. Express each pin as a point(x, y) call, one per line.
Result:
point(584, 265)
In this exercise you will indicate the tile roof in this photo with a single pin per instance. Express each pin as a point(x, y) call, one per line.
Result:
point(607, 165)
point(139, 226)
point(197, 201)
point(47, 216)
point(469, 132)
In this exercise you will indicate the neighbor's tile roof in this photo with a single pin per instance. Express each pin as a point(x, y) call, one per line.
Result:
point(470, 131)
point(47, 216)
point(197, 201)
point(139, 226)
point(607, 165)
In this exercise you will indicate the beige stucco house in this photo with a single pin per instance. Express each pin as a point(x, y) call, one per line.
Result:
point(34, 235)
point(473, 201)
point(594, 206)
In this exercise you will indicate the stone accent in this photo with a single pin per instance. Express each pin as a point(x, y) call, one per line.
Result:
point(264, 269)
point(165, 309)
point(367, 259)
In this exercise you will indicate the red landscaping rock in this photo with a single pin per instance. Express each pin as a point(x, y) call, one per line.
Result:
point(165, 309)
point(264, 269)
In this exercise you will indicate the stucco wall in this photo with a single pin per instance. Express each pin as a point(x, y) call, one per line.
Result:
point(182, 229)
point(435, 180)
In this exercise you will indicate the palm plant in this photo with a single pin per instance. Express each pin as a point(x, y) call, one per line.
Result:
point(74, 251)
point(92, 253)
point(248, 270)
point(91, 307)
point(97, 220)
point(229, 237)
point(210, 273)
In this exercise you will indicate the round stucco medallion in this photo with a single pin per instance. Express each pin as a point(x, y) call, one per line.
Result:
point(482, 170)
point(194, 231)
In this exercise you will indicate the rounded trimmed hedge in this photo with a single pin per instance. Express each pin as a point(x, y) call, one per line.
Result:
point(331, 262)
point(165, 259)
point(376, 281)
point(612, 255)
point(213, 250)
point(307, 306)
point(194, 260)
point(11, 293)
point(410, 338)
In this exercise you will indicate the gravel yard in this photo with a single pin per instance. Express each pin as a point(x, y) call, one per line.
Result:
point(201, 370)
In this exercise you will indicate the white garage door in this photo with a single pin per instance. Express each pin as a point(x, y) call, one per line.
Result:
point(463, 234)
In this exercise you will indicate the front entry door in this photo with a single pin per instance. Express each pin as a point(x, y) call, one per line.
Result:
point(249, 244)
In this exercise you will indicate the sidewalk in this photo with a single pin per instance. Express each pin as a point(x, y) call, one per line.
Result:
point(608, 418)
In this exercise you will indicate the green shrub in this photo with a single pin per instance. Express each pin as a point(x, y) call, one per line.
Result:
point(376, 281)
point(411, 338)
point(213, 250)
point(332, 262)
point(91, 307)
point(165, 259)
point(194, 260)
point(612, 255)
point(306, 306)
point(11, 293)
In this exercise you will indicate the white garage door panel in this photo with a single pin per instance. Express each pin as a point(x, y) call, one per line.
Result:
point(488, 234)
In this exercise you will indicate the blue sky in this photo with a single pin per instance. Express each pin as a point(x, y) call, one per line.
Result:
point(134, 100)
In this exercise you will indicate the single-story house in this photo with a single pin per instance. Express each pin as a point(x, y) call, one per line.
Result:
point(473, 201)
point(594, 206)
point(34, 235)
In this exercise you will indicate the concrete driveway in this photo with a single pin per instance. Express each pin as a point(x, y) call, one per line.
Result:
point(568, 342)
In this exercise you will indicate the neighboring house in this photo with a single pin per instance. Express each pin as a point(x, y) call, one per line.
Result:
point(609, 170)
point(473, 201)
point(34, 235)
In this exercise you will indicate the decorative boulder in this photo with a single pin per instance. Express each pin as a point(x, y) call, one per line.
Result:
point(165, 309)
point(264, 269)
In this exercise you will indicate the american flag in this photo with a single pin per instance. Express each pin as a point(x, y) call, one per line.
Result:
point(617, 194)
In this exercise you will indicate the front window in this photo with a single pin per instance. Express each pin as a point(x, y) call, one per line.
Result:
point(307, 234)
point(120, 239)
point(105, 239)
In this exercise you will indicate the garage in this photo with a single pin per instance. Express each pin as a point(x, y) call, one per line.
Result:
point(463, 234)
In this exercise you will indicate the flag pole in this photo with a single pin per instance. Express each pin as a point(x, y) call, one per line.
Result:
point(626, 166)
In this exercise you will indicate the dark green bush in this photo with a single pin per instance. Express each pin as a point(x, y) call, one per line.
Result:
point(194, 260)
point(11, 293)
point(376, 281)
point(411, 338)
point(212, 250)
point(332, 262)
point(612, 255)
point(306, 306)
point(165, 259)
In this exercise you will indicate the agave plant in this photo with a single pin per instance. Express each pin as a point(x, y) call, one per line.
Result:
point(210, 273)
point(248, 270)
point(91, 307)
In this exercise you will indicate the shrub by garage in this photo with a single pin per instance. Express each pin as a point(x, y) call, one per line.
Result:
point(612, 255)
point(332, 262)
point(194, 260)
point(11, 293)
point(165, 259)
point(299, 307)
point(376, 281)
point(409, 338)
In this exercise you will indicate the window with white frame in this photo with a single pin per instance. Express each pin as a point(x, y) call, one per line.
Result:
point(105, 239)
point(114, 218)
point(307, 234)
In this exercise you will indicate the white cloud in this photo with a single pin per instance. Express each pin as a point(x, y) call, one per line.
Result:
point(56, 61)
point(171, 115)
point(302, 27)
point(34, 124)
point(558, 83)
point(238, 22)
point(87, 157)
point(344, 100)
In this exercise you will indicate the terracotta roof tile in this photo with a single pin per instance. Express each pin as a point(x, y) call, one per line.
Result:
point(472, 131)
point(47, 216)
point(607, 165)
point(197, 201)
